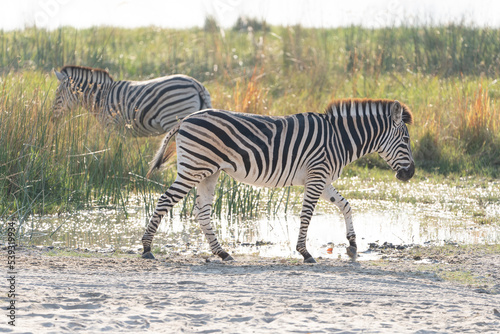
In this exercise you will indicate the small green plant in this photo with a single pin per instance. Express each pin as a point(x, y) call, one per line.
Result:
point(462, 277)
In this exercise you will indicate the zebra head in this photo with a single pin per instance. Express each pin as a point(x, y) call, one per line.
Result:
point(396, 149)
point(78, 85)
point(66, 96)
point(65, 99)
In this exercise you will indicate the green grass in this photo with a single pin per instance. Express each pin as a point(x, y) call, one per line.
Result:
point(452, 263)
point(445, 74)
point(455, 255)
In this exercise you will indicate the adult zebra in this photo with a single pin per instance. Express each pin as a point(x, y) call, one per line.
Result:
point(307, 149)
point(143, 108)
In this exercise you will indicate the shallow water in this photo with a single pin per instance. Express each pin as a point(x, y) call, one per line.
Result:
point(436, 214)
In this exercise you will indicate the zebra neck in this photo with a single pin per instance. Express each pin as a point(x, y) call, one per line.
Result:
point(93, 96)
point(355, 137)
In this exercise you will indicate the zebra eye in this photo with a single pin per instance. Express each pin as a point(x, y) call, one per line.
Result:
point(406, 139)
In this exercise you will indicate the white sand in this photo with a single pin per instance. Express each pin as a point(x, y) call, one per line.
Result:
point(253, 295)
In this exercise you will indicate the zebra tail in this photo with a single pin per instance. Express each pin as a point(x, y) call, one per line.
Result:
point(205, 95)
point(165, 152)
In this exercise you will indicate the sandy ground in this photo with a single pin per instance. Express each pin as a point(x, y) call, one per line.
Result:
point(401, 294)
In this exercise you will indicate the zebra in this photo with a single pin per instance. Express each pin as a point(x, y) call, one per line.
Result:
point(308, 149)
point(143, 108)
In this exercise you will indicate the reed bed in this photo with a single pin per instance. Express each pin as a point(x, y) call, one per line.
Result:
point(447, 75)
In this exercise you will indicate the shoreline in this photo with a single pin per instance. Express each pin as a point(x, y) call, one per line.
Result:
point(70, 292)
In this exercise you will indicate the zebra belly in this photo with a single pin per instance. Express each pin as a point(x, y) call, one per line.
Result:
point(201, 162)
point(271, 181)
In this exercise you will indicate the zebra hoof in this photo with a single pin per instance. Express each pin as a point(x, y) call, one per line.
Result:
point(310, 260)
point(352, 252)
point(225, 256)
point(228, 258)
point(148, 255)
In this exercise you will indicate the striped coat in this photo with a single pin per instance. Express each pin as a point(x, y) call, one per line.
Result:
point(307, 149)
point(142, 108)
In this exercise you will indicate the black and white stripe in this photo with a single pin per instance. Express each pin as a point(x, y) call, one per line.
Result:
point(143, 108)
point(307, 149)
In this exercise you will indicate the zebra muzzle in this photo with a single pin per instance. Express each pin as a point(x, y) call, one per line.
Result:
point(406, 173)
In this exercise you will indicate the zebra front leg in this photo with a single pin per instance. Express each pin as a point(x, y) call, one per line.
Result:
point(313, 189)
point(174, 194)
point(203, 207)
point(332, 195)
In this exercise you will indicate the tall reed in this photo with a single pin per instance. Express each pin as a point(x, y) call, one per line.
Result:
point(54, 166)
point(447, 75)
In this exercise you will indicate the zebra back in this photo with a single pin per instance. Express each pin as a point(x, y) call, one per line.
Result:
point(83, 78)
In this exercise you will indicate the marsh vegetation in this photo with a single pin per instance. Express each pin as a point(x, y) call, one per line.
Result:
point(448, 75)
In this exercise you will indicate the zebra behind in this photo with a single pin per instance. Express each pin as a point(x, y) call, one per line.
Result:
point(308, 149)
point(143, 108)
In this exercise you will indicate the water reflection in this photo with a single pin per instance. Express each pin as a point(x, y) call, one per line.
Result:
point(375, 222)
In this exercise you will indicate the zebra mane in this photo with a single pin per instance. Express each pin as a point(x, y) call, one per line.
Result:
point(336, 105)
point(74, 70)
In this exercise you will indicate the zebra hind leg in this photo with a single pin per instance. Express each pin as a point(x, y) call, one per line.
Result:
point(312, 191)
point(352, 250)
point(203, 206)
point(333, 196)
point(174, 194)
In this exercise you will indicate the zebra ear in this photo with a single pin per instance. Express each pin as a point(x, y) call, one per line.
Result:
point(396, 112)
point(60, 76)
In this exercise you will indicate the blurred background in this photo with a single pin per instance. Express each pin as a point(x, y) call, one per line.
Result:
point(52, 14)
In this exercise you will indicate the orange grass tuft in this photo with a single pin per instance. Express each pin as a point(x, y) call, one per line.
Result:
point(479, 118)
point(254, 99)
